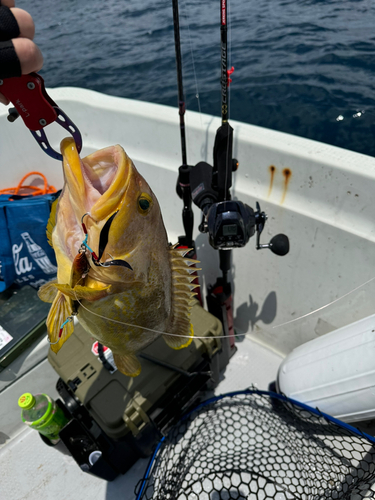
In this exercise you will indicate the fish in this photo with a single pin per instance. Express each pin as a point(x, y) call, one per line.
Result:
point(116, 271)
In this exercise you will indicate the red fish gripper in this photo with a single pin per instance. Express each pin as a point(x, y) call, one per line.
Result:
point(28, 95)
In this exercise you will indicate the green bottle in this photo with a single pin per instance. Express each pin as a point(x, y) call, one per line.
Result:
point(41, 413)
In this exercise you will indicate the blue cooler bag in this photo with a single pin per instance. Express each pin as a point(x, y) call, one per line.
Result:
point(26, 258)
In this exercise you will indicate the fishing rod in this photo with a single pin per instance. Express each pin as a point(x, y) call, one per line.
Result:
point(220, 294)
point(223, 160)
point(218, 179)
point(181, 97)
point(183, 181)
point(229, 224)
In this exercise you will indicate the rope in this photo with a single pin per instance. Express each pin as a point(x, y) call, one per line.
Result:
point(35, 190)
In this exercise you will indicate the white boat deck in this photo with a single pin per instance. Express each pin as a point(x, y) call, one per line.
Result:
point(30, 470)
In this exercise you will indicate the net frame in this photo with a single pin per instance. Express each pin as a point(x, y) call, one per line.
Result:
point(291, 451)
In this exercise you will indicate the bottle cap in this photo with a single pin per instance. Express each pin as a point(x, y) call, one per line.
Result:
point(26, 401)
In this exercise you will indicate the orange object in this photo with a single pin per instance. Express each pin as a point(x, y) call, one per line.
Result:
point(35, 191)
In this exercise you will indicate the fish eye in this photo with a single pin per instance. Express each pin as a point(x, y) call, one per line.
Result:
point(144, 203)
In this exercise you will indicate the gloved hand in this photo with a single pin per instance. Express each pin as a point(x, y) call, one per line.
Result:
point(18, 53)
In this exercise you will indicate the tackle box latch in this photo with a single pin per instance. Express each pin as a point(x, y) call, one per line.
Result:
point(134, 415)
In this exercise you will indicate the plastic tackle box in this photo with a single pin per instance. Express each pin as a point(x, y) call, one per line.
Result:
point(124, 417)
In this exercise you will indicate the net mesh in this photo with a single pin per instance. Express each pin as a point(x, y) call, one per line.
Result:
point(256, 447)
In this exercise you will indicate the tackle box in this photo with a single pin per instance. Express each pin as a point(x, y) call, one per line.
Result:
point(125, 417)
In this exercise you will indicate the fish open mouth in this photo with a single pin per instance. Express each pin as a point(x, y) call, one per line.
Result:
point(100, 173)
point(98, 182)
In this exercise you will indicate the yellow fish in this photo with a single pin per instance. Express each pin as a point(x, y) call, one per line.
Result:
point(115, 264)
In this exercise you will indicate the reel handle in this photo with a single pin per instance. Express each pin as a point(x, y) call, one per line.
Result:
point(279, 245)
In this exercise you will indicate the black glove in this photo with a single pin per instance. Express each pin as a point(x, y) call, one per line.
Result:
point(9, 63)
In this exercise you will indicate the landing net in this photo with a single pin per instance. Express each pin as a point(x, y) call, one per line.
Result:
point(257, 445)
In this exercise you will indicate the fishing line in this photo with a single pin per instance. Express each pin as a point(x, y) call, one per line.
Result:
point(225, 336)
point(217, 337)
point(130, 324)
point(323, 307)
point(151, 329)
point(145, 328)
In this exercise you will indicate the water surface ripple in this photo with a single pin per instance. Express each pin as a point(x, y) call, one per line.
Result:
point(305, 67)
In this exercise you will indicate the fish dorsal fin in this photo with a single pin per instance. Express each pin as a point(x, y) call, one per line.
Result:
point(60, 311)
point(84, 292)
point(48, 291)
point(52, 221)
point(182, 299)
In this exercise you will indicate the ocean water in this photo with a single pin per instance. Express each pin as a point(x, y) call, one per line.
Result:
point(306, 67)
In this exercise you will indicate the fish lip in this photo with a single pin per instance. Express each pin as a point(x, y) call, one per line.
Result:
point(112, 196)
point(99, 181)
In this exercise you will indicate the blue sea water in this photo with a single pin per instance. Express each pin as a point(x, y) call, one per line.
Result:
point(305, 67)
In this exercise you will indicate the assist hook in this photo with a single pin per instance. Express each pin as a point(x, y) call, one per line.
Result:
point(103, 240)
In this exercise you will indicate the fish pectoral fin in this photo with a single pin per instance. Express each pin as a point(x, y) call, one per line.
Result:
point(60, 311)
point(179, 340)
point(84, 292)
point(48, 291)
point(128, 364)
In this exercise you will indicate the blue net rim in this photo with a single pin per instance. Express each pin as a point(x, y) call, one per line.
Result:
point(270, 394)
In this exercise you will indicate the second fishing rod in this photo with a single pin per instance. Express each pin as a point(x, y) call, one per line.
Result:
point(217, 180)
point(229, 224)
point(210, 185)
